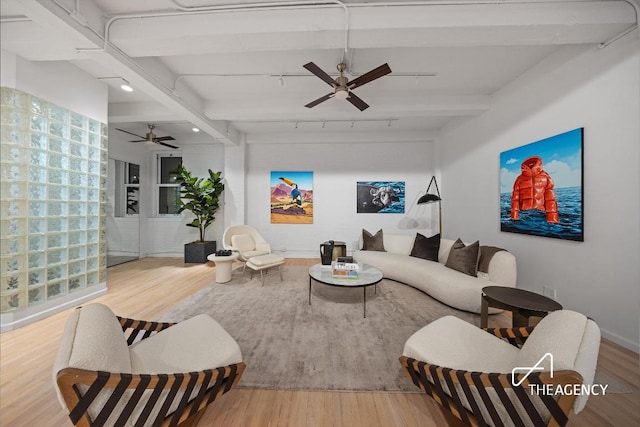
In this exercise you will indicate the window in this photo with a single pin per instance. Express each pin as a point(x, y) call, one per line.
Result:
point(127, 188)
point(168, 189)
point(133, 189)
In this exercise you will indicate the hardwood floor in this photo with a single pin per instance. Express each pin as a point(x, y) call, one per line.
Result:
point(146, 288)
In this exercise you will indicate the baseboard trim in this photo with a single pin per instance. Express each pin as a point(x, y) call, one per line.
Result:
point(165, 255)
point(633, 346)
point(15, 320)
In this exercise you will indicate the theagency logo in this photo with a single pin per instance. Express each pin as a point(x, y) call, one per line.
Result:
point(529, 369)
point(551, 389)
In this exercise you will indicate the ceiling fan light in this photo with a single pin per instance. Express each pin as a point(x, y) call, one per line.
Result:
point(342, 93)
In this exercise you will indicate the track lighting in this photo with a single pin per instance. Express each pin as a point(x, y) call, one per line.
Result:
point(124, 84)
point(351, 123)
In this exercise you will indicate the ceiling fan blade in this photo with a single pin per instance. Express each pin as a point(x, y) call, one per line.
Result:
point(319, 100)
point(130, 133)
point(371, 75)
point(139, 140)
point(167, 145)
point(164, 138)
point(357, 101)
point(319, 73)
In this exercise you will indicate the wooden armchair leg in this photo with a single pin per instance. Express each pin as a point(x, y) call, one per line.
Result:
point(452, 420)
point(194, 419)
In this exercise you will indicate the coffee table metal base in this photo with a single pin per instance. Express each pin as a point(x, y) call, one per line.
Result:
point(367, 276)
point(364, 295)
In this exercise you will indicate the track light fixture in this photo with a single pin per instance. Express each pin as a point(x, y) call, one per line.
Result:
point(324, 123)
point(124, 84)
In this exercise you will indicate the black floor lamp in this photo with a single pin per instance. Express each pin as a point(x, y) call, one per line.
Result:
point(430, 198)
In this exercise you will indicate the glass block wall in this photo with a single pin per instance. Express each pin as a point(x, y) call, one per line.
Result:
point(53, 167)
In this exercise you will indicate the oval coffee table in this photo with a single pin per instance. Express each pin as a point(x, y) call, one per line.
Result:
point(367, 276)
point(523, 304)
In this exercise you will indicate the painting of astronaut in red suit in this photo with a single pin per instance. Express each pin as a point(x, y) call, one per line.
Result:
point(541, 187)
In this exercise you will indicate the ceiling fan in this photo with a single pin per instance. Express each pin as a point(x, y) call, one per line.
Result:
point(151, 137)
point(342, 87)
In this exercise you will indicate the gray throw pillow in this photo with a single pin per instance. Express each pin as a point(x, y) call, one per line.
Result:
point(426, 247)
point(372, 242)
point(464, 258)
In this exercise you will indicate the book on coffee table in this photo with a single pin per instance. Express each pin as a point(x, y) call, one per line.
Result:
point(345, 274)
point(345, 270)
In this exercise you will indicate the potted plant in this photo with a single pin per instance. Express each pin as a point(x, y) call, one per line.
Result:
point(200, 196)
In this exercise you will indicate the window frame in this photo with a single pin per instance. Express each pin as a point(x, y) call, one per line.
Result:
point(159, 155)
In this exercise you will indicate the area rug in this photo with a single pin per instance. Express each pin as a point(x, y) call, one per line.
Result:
point(328, 345)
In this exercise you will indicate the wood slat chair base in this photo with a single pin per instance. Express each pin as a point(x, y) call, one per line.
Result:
point(464, 393)
point(150, 396)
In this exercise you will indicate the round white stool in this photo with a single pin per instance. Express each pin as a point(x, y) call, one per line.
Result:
point(223, 266)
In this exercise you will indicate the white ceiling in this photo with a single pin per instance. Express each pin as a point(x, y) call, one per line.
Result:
point(234, 68)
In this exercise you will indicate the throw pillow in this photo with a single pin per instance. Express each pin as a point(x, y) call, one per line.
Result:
point(486, 254)
point(372, 242)
point(464, 258)
point(426, 247)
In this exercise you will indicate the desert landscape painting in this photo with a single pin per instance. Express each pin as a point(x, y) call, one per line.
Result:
point(291, 197)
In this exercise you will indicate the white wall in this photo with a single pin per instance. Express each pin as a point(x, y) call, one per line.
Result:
point(166, 236)
point(58, 82)
point(124, 234)
point(597, 89)
point(234, 195)
point(336, 169)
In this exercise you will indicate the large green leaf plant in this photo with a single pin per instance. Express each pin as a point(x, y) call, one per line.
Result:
point(200, 196)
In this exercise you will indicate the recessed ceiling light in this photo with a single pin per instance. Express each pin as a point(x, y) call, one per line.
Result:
point(195, 129)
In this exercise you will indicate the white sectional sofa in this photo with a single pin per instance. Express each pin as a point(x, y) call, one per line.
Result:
point(449, 286)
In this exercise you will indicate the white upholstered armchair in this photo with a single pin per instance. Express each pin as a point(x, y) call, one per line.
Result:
point(483, 380)
point(115, 371)
point(246, 241)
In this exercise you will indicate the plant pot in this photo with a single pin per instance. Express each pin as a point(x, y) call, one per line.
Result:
point(197, 252)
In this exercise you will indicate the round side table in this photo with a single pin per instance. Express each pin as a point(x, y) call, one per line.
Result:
point(223, 266)
point(523, 304)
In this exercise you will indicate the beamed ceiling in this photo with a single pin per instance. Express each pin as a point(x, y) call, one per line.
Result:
point(235, 69)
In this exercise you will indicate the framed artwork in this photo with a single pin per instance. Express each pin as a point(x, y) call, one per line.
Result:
point(541, 187)
point(291, 197)
point(380, 197)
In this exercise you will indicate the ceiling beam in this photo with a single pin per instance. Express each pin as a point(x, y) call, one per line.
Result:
point(238, 109)
point(309, 137)
point(148, 112)
point(70, 24)
point(426, 25)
